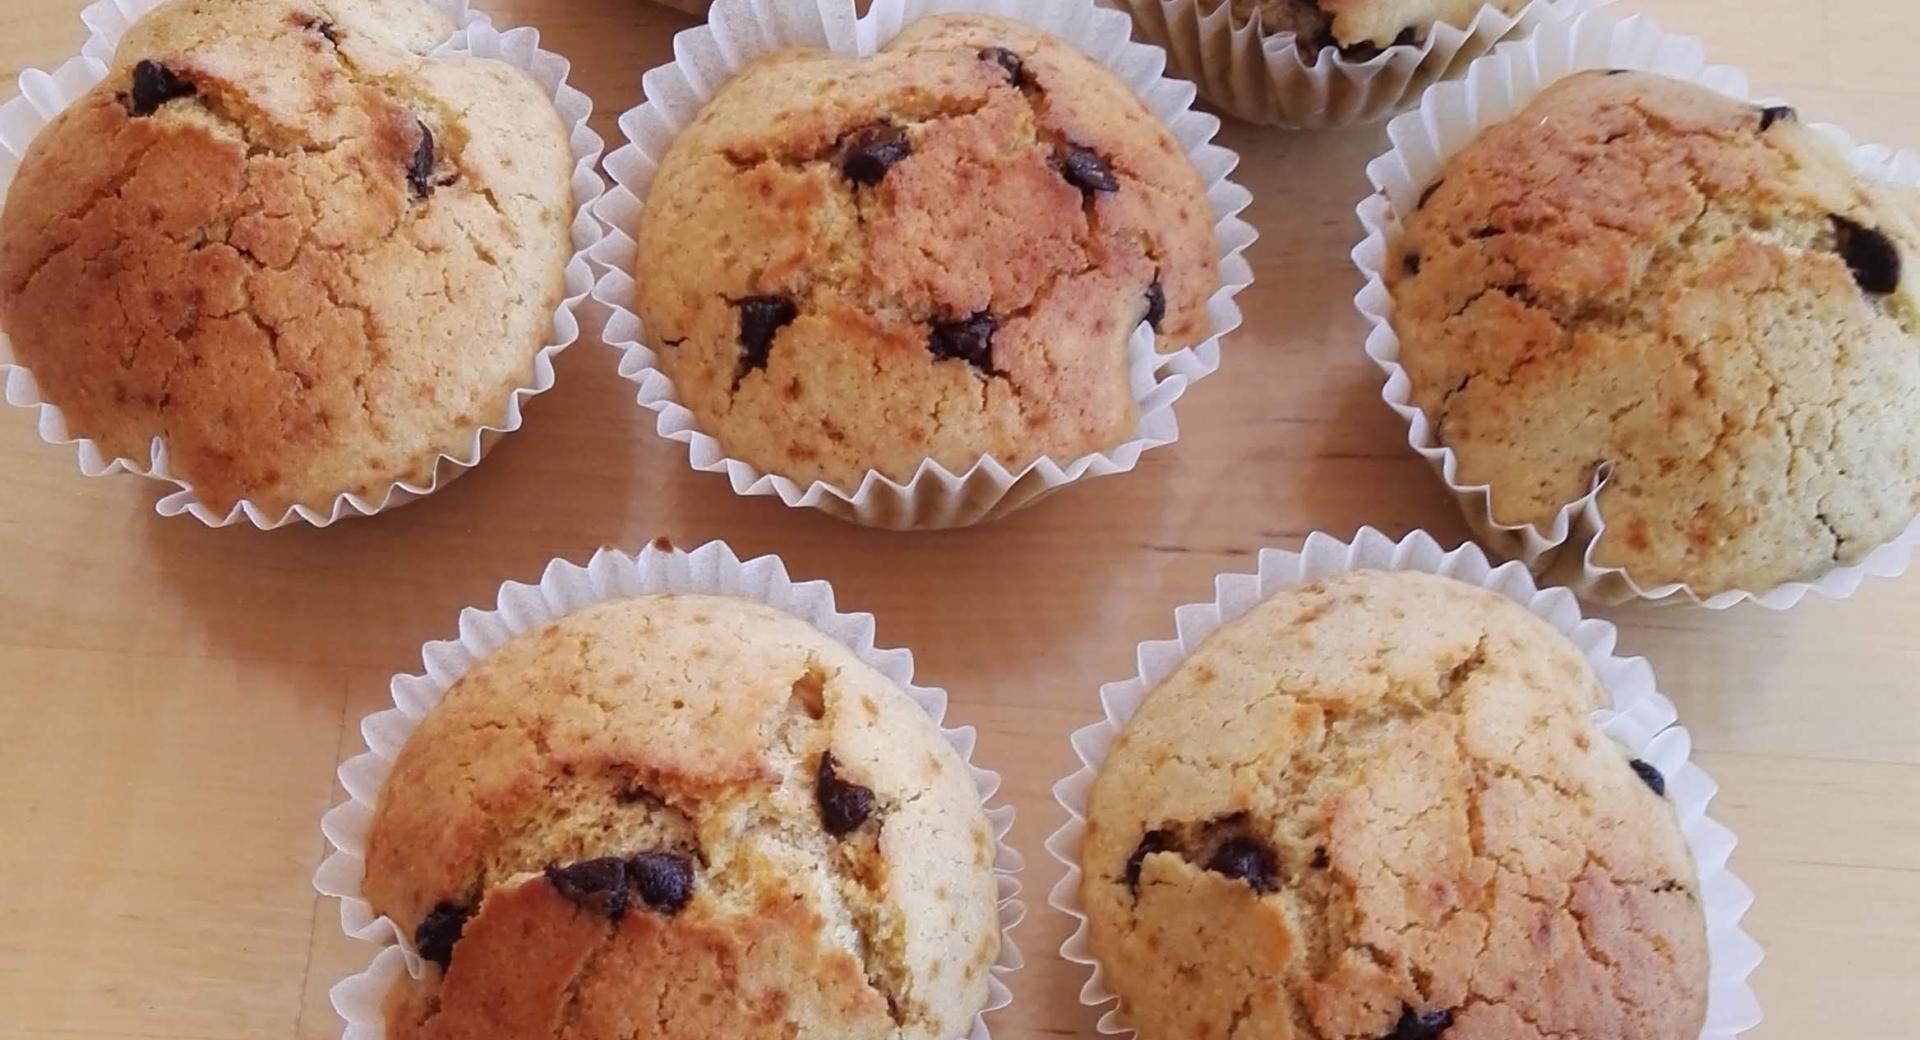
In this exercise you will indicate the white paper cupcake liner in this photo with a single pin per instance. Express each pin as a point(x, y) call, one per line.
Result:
point(44, 95)
point(563, 589)
point(1264, 78)
point(1449, 116)
point(1640, 719)
point(738, 32)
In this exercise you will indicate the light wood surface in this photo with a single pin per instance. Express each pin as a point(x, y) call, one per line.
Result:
point(174, 700)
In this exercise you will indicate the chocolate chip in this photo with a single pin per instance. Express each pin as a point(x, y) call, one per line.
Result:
point(1777, 114)
point(760, 318)
point(1156, 305)
point(1249, 860)
point(1410, 264)
point(420, 167)
point(1016, 69)
point(1428, 194)
point(154, 85)
point(599, 885)
point(969, 340)
point(844, 806)
point(1650, 776)
point(1084, 169)
point(1870, 255)
point(1618, 72)
point(1150, 843)
point(439, 930)
point(316, 24)
point(665, 880)
point(1420, 1025)
point(1320, 860)
point(872, 152)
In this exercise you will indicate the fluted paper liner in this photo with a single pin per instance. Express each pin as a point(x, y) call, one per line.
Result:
point(1639, 718)
point(1263, 77)
point(44, 95)
point(1449, 116)
point(565, 588)
point(738, 32)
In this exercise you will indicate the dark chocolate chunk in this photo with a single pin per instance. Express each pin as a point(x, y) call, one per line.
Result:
point(1320, 860)
point(969, 340)
point(420, 167)
point(1156, 305)
point(1650, 776)
point(1427, 195)
point(844, 805)
point(599, 885)
point(1777, 114)
point(154, 85)
point(1618, 72)
point(664, 879)
point(1870, 255)
point(1084, 169)
point(1150, 843)
point(1420, 1025)
point(1249, 860)
point(439, 930)
point(872, 152)
point(1410, 263)
point(1016, 69)
point(760, 318)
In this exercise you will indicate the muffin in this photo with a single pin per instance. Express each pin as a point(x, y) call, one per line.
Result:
point(1358, 28)
point(683, 816)
point(281, 241)
point(1377, 806)
point(1696, 302)
point(938, 252)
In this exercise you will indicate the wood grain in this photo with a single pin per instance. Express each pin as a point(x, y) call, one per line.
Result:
point(175, 698)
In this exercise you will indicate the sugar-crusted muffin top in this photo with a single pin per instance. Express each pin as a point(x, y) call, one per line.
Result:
point(1700, 297)
point(936, 252)
point(1362, 24)
point(689, 811)
point(280, 238)
point(1377, 806)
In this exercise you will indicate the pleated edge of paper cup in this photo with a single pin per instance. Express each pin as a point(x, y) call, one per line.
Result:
point(1267, 80)
point(1640, 718)
point(1495, 88)
point(43, 96)
point(565, 588)
point(934, 496)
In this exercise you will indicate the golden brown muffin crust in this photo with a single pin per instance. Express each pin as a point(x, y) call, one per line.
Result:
point(1375, 806)
point(959, 294)
point(242, 242)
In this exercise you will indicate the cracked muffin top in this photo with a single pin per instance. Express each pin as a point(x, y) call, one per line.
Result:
point(939, 252)
point(683, 817)
point(1360, 27)
point(280, 239)
point(1700, 297)
point(1376, 807)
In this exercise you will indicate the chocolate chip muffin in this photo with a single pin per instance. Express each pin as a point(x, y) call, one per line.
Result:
point(939, 252)
point(1696, 298)
point(1376, 806)
point(683, 817)
point(1359, 28)
point(280, 240)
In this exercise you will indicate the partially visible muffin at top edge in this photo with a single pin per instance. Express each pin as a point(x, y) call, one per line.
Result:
point(1359, 28)
point(1698, 296)
point(281, 239)
point(681, 817)
point(1376, 807)
point(938, 252)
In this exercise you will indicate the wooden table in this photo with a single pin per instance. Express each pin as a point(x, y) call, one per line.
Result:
point(175, 699)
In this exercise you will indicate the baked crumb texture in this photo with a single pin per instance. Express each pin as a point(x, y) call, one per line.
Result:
point(277, 237)
point(939, 252)
point(677, 818)
point(1360, 29)
point(1697, 297)
point(1375, 808)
